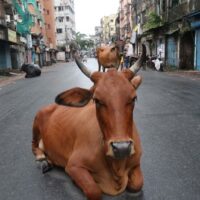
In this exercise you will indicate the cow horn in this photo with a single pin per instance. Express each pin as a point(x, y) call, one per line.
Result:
point(81, 66)
point(138, 64)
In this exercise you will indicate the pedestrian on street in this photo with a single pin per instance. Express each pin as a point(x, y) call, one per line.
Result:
point(128, 53)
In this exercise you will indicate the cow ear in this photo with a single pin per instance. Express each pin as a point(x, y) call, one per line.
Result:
point(75, 97)
point(136, 81)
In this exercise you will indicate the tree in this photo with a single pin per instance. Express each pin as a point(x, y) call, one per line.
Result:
point(154, 21)
point(83, 42)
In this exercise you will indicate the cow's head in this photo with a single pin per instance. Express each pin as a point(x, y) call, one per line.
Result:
point(114, 95)
point(108, 56)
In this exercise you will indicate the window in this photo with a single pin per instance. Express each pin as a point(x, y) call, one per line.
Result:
point(67, 18)
point(175, 3)
point(59, 30)
point(60, 8)
point(60, 19)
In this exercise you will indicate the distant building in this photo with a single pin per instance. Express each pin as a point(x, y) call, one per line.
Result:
point(65, 22)
point(98, 35)
point(108, 28)
point(125, 16)
point(50, 26)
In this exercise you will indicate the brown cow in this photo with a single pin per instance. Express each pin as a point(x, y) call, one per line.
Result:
point(92, 135)
point(108, 57)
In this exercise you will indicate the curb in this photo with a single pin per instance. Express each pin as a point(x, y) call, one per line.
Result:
point(7, 80)
point(195, 75)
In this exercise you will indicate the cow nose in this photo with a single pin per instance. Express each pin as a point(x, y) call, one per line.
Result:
point(121, 149)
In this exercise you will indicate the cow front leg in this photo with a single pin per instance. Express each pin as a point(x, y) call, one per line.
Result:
point(136, 180)
point(45, 165)
point(85, 181)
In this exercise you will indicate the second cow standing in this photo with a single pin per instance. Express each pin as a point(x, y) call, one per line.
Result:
point(108, 57)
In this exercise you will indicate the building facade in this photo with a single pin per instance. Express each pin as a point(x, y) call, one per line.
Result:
point(65, 22)
point(25, 36)
point(125, 16)
point(169, 28)
point(98, 36)
point(9, 40)
point(108, 28)
point(50, 27)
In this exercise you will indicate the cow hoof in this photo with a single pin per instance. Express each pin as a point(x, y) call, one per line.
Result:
point(44, 166)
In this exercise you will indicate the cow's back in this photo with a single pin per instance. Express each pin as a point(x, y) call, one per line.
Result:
point(64, 129)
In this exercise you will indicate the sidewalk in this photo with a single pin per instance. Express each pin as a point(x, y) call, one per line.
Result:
point(5, 80)
point(194, 75)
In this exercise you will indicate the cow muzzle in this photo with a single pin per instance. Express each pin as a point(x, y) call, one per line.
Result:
point(121, 149)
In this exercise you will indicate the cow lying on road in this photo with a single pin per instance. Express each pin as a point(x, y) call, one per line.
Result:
point(31, 70)
point(91, 133)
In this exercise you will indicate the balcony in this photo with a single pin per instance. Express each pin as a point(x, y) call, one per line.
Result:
point(178, 12)
point(11, 25)
point(2, 21)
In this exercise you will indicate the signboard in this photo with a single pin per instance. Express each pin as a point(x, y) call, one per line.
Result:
point(12, 36)
point(29, 41)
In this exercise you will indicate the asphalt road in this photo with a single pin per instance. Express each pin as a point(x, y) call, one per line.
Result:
point(167, 115)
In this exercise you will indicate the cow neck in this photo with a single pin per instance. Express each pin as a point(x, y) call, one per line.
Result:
point(117, 167)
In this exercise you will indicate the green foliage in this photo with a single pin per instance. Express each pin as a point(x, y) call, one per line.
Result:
point(153, 21)
point(84, 42)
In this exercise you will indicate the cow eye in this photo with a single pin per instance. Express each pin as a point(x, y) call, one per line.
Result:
point(98, 102)
point(133, 100)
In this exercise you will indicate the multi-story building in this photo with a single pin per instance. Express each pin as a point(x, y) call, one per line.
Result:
point(108, 28)
point(50, 26)
point(169, 28)
point(98, 36)
point(8, 36)
point(27, 32)
point(125, 16)
point(33, 19)
point(38, 34)
point(65, 22)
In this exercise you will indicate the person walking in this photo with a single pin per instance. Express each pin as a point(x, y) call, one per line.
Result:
point(128, 53)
